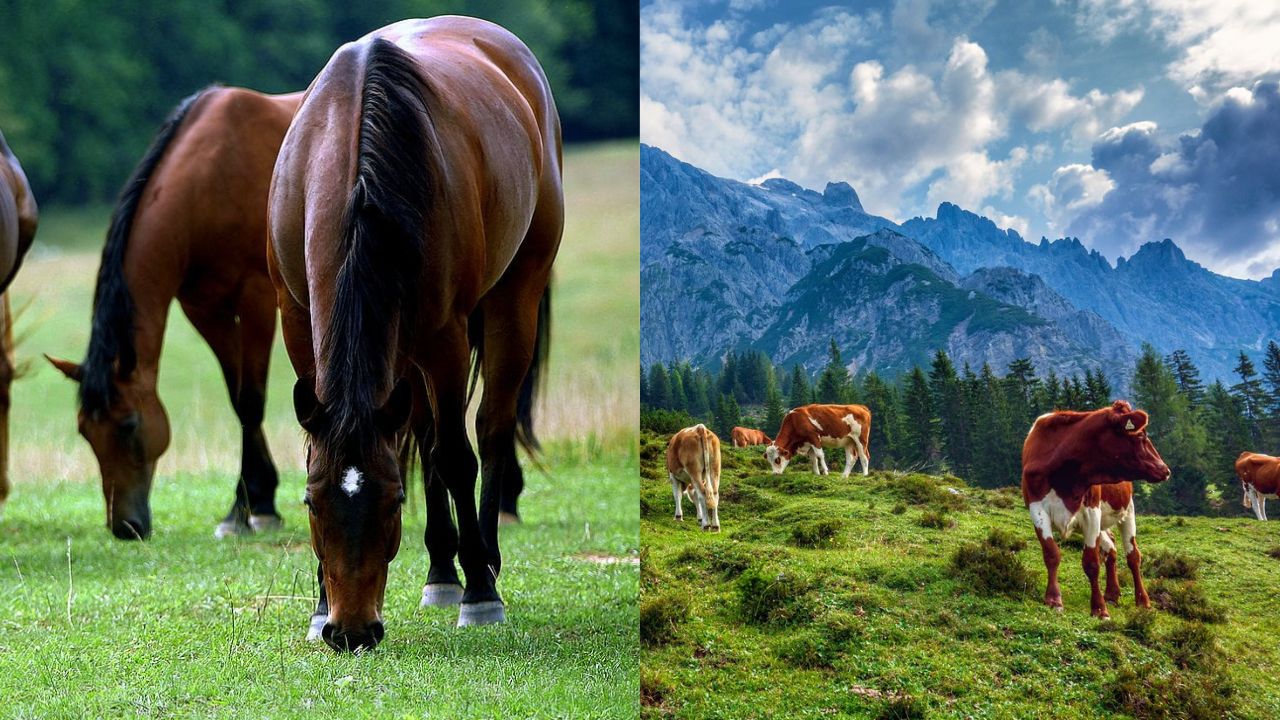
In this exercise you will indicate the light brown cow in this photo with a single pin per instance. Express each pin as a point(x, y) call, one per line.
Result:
point(1260, 477)
point(693, 464)
point(1076, 468)
point(806, 430)
point(746, 437)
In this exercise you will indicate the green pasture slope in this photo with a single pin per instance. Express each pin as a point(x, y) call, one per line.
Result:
point(184, 625)
point(826, 597)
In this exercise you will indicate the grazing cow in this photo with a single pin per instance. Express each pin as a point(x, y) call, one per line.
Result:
point(746, 437)
point(1076, 468)
point(806, 430)
point(1260, 477)
point(693, 464)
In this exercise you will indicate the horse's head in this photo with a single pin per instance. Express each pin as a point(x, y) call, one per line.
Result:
point(354, 493)
point(128, 430)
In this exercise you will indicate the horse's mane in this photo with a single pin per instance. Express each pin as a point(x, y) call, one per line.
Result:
point(111, 337)
point(383, 228)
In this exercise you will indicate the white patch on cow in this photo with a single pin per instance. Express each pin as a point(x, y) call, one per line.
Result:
point(1051, 516)
point(1129, 528)
point(1128, 425)
point(351, 481)
point(815, 423)
point(1090, 525)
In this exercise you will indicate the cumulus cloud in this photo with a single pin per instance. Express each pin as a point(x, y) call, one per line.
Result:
point(1216, 191)
point(1070, 190)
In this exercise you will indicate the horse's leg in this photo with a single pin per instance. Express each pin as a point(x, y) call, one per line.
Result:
point(443, 588)
point(257, 331)
point(6, 379)
point(447, 367)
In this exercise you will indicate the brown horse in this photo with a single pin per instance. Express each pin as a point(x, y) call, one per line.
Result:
point(18, 220)
point(190, 224)
point(416, 210)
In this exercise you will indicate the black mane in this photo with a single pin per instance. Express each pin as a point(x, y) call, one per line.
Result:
point(111, 337)
point(383, 227)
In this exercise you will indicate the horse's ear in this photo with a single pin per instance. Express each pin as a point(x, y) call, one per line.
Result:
point(392, 416)
point(66, 367)
point(307, 406)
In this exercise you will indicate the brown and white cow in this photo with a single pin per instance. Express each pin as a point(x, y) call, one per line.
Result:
point(1260, 477)
point(746, 437)
point(693, 464)
point(806, 430)
point(1076, 472)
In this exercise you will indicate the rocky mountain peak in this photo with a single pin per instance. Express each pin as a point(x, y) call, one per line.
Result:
point(841, 194)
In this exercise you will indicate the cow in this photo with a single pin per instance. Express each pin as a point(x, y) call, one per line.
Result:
point(746, 437)
point(693, 464)
point(806, 430)
point(1260, 477)
point(1076, 473)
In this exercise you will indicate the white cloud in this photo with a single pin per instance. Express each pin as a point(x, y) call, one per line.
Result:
point(1016, 223)
point(1071, 189)
point(1045, 104)
point(774, 173)
point(973, 177)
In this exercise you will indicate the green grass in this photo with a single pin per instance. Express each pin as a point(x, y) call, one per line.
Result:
point(871, 618)
point(184, 625)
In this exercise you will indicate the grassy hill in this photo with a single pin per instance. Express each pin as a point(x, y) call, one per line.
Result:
point(826, 597)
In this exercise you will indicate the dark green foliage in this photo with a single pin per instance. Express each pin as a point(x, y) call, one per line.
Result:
point(659, 387)
point(728, 560)
point(903, 706)
point(800, 393)
point(835, 385)
point(1274, 552)
point(898, 508)
point(1185, 599)
point(816, 532)
point(660, 615)
point(1003, 539)
point(992, 567)
point(1147, 692)
point(665, 422)
point(655, 687)
point(1191, 646)
point(919, 489)
point(771, 596)
point(1170, 565)
point(936, 520)
point(807, 649)
point(1140, 625)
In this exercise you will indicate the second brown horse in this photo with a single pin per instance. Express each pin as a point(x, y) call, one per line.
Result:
point(190, 224)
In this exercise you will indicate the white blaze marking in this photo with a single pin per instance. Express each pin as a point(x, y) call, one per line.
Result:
point(352, 481)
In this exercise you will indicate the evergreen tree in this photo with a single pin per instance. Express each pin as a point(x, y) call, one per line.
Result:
point(679, 401)
point(800, 393)
point(1022, 389)
point(1228, 431)
point(773, 410)
point(882, 401)
point(952, 412)
point(1187, 375)
point(834, 384)
point(1252, 397)
point(1173, 430)
point(921, 447)
point(644, 388)
point(727, 417)
point(728, 374)
point(1097, 389)
point(1271, 403)
point(1051, 399)
point(659, 387)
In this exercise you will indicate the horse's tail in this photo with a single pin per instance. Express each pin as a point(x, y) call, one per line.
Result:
point(383, 225)
point(536, 377)
point(111, 336)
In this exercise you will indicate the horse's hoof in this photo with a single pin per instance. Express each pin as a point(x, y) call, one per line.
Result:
point(482, 613)
point(317, 625)
point(506, 518)
point(262, 523)
point(441, 595)
point(229, 528)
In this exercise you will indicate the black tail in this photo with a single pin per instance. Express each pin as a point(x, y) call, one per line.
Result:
point(534, 381)
point(111, 337)
point(383, 225)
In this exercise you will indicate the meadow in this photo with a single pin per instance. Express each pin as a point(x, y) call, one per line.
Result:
point(183, 625)
point(903, 595)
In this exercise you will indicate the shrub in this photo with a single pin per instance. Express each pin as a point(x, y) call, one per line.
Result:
point(665, 422)
point(766, 596)
point(1171, 565)
point(807, 650)
point(660, 614)
point(1191, 646)
point(1140, 624)
point(1005, 540)
point(743, 496)
point(902, 706)
point(899, 508)
point(936, 520)
point(992, 567)
point(815, 533)
point(728, 559)
point(1185, 599)
point(655, 687)
point(917, 489)
point(1274, 552)
point(1146, 692)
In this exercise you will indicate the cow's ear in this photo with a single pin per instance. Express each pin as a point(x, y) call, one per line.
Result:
point(307, 407)
point(1122, 406)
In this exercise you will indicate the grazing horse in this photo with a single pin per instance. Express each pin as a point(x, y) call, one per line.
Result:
point(191, 223)
point(18, 219)
point(416, 210)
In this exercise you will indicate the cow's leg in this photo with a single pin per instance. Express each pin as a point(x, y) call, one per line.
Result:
point(813, 463)
point(863, 456)
point(699, 503)
point(848, 461)
point(1049, 549)
point(822, 460)
point(1129, 540)
point(1112, 594)
point(1262, 507)
point(678, 492)
point(1091, 528)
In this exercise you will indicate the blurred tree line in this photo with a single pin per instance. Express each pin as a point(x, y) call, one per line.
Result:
point(85, 83)
point(973, 423)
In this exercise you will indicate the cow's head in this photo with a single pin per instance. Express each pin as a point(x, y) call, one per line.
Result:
point(777, 457)
point(1124, 442)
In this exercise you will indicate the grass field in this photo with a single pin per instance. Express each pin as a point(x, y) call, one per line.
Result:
point(826, 597)
point(184, 625)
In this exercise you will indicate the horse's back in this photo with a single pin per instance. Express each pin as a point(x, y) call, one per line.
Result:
point(18, 214)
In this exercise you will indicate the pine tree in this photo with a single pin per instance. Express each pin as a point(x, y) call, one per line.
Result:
point(834, 384)
point(1252, 397)
point(1187, 375)
point(659, 387)
point(698, 388)
point(882, 401)
point(679, 401)
point(1097, 389)
point(800, 393)
point(1022, 389)
point(1175, 433)
point(921, 447)
point(773, 410)
point(952, 411)
point(1271, 404)
point(644, 388)
point(1223, 418)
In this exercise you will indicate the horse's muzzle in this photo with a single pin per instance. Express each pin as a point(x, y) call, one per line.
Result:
point(353, 640)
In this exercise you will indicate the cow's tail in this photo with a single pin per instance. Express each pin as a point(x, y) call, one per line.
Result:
point(866, 438)
point(704, 443)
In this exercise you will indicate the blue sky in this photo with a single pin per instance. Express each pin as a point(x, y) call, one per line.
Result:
point(1121, 122)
